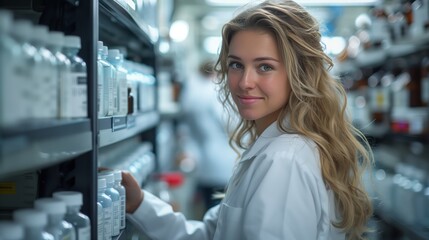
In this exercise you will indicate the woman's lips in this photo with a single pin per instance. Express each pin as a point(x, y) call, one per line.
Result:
point(248, 99)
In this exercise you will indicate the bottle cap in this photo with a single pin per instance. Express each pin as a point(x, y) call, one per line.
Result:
point(11, 230)
point(22, 29)
point(71, 198)
point(50, 205)
point(173, 179)
point(30, 217)
point(101, 182)
point(110, 178)
point(40, 34)
point(56, 39)
point(6, 20)
point(72, 41)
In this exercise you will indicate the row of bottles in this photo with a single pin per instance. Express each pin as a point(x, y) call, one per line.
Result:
point(394, 95)
point(41, 75)
point(400, 188)
point(54, 218)
point(111, 199)
point(124, 87)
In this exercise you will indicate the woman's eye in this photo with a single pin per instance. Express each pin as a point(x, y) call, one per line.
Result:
point(234, 65)
point(265, 68)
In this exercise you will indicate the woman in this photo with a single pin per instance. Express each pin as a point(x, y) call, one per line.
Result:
point(300, 175)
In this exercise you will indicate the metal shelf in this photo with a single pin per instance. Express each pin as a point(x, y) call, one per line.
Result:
point(43, 144)
point(413, 232)
point(115, 129)
point(121, 26)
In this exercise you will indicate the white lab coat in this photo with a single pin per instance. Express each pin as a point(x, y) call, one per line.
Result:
point(276, 192)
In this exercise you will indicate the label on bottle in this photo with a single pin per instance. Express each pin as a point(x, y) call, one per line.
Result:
point(84, 233)
point(101, 110)
point(116, 218)
point(108, 89)
point(107, 212)
point(123, 213)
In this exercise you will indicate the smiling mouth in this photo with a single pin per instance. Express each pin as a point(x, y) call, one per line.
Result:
point(248, 100)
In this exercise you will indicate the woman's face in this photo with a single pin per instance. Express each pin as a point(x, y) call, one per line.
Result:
point(257, 77)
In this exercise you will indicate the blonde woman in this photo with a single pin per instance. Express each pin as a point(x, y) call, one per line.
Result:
point(300, 175)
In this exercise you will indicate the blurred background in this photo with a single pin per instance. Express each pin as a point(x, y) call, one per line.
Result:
point(136, 94)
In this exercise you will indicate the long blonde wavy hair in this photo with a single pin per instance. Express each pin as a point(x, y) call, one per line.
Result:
point(316, 107)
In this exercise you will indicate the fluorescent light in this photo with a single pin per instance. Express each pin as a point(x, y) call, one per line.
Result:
point(303, 2)
point(179, 30)
point(212, 44)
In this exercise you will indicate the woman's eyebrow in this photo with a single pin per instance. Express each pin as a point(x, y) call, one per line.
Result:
point(256, 59)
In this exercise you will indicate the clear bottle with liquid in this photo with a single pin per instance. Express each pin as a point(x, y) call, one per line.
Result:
point(122, 195)
point(34, 222)
point(80, 221)
point(107, 209)
point(57, 226)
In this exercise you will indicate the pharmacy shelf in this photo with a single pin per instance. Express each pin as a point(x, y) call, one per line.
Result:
point(116, 129)
point(121, 26)
point(411, 231)
point(43, 144)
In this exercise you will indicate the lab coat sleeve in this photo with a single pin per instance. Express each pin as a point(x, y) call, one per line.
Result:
point(158, 221)
point(289, 200)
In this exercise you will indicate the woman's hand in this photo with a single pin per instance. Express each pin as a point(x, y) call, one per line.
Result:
point(134, 194)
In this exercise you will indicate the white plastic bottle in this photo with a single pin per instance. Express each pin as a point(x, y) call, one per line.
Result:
point(116, 201)
point(122, 194)
point(10, 230)
point(100, 222)
point(57, 226)
point(11, 83)
point(55, 45)
point(101, 109)
point(107, 206)
point(76, 89)
point(31, 60)
point(46, 106)
point(107, 80)
point(34, 222)
point(114, 90)
point(116, 59)
point(80, 222)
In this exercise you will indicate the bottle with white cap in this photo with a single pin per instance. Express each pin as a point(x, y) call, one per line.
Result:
point(80, 221)
point(10, 230)
point(30, 60)
point(116, 59)
point(11, 81)
point(56, 209)
point(55, 44)
point(116, 201)
point(34, 222)
point(107, 210)
point(76, 88)
point(46, 104)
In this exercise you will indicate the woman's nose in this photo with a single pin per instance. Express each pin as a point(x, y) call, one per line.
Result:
point(247, 80)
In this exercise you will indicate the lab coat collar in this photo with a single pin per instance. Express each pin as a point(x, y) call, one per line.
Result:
point(261, 143)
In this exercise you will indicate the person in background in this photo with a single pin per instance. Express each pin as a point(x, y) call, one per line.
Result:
point(203, 135)
point(299, 177)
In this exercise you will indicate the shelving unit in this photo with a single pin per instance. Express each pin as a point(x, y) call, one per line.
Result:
point(65, 153)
